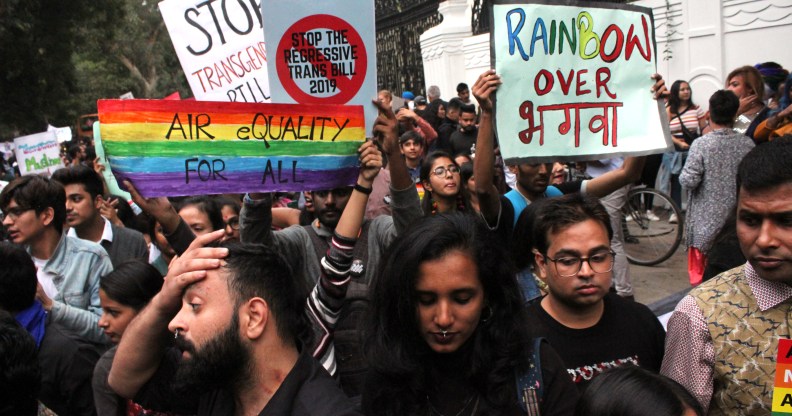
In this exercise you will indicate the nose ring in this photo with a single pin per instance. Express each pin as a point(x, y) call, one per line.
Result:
point(176, 334)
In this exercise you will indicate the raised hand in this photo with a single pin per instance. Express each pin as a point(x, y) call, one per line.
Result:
point(486, 85)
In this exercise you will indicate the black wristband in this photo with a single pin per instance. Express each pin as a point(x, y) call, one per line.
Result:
point(362, 189)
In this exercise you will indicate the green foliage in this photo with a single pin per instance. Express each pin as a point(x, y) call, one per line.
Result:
point(59, 57)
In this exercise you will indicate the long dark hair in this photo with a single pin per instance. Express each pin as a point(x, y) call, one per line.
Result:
point(640, 392)
point(673, 98)
point(430, 113)
point(426, 171)
point(206, 204)
point(400, 359)
point(133, 283)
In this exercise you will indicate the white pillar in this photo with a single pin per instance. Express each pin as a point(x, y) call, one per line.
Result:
point(441, 48)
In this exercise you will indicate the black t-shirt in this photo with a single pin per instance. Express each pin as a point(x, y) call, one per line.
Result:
point(307, 390)
point(463, 141)
point(444, 132)
point(559, 394)
point(627, 333)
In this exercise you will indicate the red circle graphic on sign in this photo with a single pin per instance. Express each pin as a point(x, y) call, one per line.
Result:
point(316, 61)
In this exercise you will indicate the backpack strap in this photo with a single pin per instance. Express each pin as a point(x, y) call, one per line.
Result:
point(530, 386)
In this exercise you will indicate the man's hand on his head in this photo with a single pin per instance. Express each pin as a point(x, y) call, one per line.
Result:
point(189, 268)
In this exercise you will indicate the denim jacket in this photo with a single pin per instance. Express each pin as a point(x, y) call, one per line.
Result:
point(77, 265)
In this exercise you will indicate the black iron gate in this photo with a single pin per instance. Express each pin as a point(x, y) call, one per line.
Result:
point(400, 24)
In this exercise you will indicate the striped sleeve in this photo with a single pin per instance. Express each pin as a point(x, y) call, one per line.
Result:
point(324, 303)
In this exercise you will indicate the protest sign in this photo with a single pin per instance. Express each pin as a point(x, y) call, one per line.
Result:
point(322, 53)
point(169, 148)
point(63, 134)
point(782, 384)
point(576, 81)
point(38, 153)
point(107, 173)
point(221, 48)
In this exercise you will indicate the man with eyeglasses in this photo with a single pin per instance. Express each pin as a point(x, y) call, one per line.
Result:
point(68, 268)
point(591, 329)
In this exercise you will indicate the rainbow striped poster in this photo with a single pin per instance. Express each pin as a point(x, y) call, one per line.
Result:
point(782, 386)
point(172, 148)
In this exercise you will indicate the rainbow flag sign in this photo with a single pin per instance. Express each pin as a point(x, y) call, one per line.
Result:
point(782, 386)
point(172, 148)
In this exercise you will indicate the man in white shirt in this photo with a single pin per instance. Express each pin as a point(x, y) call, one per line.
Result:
point(83, 200)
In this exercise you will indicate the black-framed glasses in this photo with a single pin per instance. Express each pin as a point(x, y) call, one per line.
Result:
point(442, 170)
point(337, 192)
point(15, 212)
point(568, 266)
point(233, 222)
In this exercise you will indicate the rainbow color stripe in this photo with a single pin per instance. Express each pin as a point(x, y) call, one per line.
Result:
point(164, 147)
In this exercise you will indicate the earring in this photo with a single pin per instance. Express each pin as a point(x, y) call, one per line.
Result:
point(486, 318)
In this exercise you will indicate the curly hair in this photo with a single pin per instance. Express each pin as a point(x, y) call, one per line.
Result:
point(400, 359)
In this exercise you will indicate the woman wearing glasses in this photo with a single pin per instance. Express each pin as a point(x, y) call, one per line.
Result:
point(444, 191)
point(447, 334)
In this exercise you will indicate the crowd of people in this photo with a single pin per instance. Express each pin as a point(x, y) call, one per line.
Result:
point(442, 283)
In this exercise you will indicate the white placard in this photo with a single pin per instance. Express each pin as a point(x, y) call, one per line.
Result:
point(221, 48)
point(38, 153)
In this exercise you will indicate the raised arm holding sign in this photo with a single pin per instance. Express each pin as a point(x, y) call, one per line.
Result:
point(576, 75)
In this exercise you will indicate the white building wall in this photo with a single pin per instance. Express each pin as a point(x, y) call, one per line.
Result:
point(709, 38)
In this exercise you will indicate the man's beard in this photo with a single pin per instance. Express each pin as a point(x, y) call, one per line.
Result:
point(224, 362)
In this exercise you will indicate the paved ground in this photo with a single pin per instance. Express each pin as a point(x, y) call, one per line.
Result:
point(661, 286)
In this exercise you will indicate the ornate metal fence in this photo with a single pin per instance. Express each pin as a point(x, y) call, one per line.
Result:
point(400, 24)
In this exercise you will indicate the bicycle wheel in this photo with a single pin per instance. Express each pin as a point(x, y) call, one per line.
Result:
point(649, 241)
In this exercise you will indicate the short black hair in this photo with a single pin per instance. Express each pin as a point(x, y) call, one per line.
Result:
point(81, 175)
point(411, 135)
point(20, 375)
point(462, 87)
point(723, 106)
point(455, 104)
point(559, 213)
point(37, 193)
point(766, 166)
point(73, 150)
point(17, 283)
point(260, 271)
point(467, 108)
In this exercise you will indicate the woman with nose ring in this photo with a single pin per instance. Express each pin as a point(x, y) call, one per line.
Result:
point(446, 333)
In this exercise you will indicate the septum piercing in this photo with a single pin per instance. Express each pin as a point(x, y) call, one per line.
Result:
point(176, 334)
point(444, 333)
